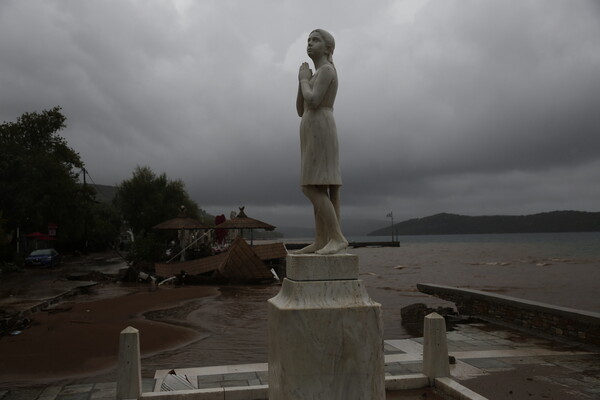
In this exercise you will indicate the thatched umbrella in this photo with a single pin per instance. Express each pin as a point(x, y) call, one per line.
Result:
point(182, 222)
point(242, 221)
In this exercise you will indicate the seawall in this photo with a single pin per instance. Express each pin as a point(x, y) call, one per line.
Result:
point(566, 323)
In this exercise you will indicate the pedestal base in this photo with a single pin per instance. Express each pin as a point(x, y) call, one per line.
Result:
point(325, 339)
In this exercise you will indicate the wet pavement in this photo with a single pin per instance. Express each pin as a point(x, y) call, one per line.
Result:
point(493, 361)
point(33, 288)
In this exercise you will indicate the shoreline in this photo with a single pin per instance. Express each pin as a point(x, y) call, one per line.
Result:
point(83, 341)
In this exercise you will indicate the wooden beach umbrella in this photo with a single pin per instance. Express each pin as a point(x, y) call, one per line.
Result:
point(182, 222)
point(242, 221)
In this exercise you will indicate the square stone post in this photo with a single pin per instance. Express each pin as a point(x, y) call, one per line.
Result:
point(129, 379)
point(435, 348)
point(325, 333)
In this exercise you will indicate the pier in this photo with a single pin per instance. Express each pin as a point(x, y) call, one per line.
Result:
point(395, 243)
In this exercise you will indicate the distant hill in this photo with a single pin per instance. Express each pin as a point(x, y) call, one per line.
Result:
point(448, 224)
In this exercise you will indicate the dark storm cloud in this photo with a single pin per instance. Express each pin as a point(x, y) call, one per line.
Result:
point(473, 107)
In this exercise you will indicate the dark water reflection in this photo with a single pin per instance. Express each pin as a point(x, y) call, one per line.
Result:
point(235, 328)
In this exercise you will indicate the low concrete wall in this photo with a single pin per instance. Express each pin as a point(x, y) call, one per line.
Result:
point(567, 323)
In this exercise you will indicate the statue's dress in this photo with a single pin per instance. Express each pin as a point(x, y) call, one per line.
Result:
point(318, 140)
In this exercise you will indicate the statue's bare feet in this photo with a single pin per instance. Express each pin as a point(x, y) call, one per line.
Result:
point(333, 247)
point(311, 248)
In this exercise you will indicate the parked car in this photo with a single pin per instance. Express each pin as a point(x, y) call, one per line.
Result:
point(43, 258)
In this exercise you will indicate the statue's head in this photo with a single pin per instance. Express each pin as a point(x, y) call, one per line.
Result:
point(329, 42)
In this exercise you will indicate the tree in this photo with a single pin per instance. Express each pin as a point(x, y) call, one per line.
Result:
point(39, 176)
point(147, 199)
point(3, 240)
point(103, 225)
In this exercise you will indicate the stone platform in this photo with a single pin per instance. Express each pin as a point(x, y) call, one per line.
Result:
point(325, 333)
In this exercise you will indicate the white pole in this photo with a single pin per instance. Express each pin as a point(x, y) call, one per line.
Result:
point(129, 379)
point(435, 348)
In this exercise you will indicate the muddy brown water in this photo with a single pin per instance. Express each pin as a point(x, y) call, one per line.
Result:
point(232, 325)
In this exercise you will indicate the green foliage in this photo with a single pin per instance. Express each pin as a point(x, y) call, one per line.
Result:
point(147, 249)
point(103, 225)
point(147, 199)
point(39, 176)
point(3, 240)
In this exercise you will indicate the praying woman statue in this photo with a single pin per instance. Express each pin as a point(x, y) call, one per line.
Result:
point(320, 170)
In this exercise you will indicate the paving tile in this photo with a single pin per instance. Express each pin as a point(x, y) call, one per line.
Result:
point(254, 382)
point(500, 334)
point(479, 342)
point(105, 385)
point(209, 385)
point(148, 385)
point(104, 396)
point(390, 349)
point(22, 394)
point(234, 383)
point(240, 376)
point(494, 347)
point(502, 342)
point(517, 345)
point(246, 393)
point(488, 363)
point(74, 396)
point(413, 367)
point(210, 378)
point(50, 393)
point(586, 365)
point(75, 389)
point(98, 393)
point(399, 370)
point(263, 376)
point(107, 390)
point(452, 336)
point(523, 360)
point(570, 382)
point(407, 346)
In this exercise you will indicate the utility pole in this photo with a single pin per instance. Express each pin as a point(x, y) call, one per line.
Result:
point(85, 215)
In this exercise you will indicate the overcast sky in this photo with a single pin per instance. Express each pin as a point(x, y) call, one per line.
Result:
point(470, 107)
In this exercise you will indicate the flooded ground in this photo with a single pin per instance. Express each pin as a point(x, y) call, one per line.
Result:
point(229, 322)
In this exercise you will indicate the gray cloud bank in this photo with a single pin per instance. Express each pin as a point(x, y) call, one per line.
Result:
point(476, 107)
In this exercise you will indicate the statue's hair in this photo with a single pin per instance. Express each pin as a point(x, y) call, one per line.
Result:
point(329, 43)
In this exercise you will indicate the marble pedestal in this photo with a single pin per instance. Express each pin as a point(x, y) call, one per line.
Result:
point(325, 333)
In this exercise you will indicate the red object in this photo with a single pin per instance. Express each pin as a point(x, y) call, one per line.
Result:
point(39, 236)
point(35, 235)
point(220, 233)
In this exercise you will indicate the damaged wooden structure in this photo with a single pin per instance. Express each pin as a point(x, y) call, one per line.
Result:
point(241, 263)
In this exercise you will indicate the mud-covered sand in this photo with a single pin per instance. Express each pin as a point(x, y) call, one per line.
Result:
point(83, 338)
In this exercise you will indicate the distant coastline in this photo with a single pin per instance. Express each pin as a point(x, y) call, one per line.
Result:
point(451, 224)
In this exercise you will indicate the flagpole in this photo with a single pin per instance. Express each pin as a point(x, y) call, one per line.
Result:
point(391, 215)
